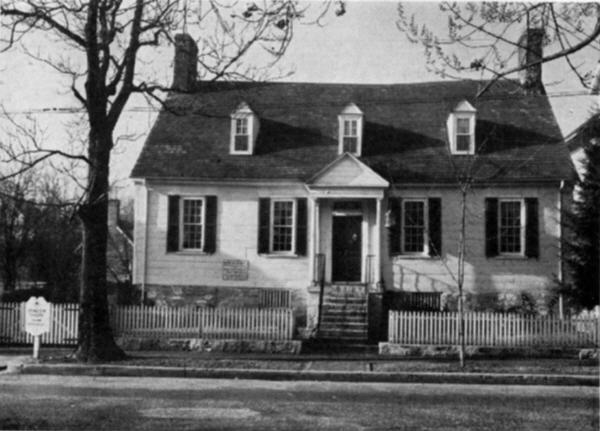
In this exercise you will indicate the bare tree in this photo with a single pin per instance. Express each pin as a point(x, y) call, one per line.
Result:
point(104, 44)
point(487, 36)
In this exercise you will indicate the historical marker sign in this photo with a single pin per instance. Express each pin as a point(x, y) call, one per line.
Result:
point(37, 316)
point(235, 270)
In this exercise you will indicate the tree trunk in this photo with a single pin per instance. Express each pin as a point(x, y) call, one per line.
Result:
point(96, 342)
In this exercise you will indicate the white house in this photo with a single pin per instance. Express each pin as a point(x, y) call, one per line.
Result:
point(246, 187)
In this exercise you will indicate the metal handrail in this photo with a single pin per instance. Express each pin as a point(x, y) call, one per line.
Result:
point(320, 281)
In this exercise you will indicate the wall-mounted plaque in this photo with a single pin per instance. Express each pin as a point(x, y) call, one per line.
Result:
point(236, 270)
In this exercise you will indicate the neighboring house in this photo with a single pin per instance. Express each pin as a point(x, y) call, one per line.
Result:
point(581, 137)
point(119, 254)
point(255, 186)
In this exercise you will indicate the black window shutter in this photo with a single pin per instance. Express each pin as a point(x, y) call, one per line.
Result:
point(491, 227)
point(435, 226)
point(301, 226)
point(395, 231)
point(210, 228)
point(264, 215)
point(532, 234)
point(173, 224)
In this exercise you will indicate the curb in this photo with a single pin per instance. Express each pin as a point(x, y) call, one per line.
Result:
point(333, 376)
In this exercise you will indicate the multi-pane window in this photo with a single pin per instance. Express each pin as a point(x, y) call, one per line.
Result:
point(350, 136)
point(282, 231)
point(242, 137)
point(192, 222)
point(414, 226)
point(511, 226)
point(463, 134)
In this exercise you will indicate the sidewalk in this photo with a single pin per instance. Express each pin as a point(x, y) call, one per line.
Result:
point(358, 368)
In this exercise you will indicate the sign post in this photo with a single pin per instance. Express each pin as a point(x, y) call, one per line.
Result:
point(37, 320)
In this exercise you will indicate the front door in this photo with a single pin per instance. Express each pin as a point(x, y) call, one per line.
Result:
point(346, 248)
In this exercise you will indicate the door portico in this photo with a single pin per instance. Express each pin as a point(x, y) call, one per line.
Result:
point(346, 217)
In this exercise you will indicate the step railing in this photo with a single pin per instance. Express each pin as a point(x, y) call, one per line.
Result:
point(320, 281)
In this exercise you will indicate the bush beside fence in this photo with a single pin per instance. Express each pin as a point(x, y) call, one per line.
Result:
point(155, 322)
point(492, 329)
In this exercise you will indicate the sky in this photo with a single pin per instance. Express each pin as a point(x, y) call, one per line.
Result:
point(362, 46)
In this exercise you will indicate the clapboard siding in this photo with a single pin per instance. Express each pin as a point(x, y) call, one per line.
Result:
point(499, 274)
point(237, 229)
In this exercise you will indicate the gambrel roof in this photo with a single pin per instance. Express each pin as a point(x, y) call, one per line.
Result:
point(404, 134)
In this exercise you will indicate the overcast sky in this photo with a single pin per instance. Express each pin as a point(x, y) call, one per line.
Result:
point(362, 46)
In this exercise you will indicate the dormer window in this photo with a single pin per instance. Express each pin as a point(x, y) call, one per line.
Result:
point(244, 129)
point(350, 137)
point(350, 130)
point(461, 129)
point(241, 140)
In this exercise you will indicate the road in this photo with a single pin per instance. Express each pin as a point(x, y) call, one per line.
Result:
point(55, 402)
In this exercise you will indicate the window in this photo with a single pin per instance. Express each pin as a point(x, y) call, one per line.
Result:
point(244, 130)
point(241, 142)
point(282, 230)
point(350, 123)
point(350, 137)
point(461, 128)
point(282, 226)
point(192, 222)
point(463, 135)
point(414, 226)
point(511, 227)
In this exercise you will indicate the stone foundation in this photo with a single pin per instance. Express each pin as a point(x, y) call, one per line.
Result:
point(475, 352)
point(287, 347)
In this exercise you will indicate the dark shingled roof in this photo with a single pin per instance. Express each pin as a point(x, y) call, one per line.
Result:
point(404, 137)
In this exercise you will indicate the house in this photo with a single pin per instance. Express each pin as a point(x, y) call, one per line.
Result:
point(244, 187)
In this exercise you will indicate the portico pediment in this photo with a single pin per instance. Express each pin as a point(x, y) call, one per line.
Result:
point(347, 172)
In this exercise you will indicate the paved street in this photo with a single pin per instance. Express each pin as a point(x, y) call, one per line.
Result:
point(54, 402)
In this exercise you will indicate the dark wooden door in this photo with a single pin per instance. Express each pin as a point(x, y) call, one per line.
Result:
point(346, 248)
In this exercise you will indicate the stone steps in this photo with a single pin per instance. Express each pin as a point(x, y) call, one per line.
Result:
point(344, 318)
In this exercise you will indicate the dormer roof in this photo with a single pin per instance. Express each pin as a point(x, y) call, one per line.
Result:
point(242, 108)
point(464, 106)
point(351, 109)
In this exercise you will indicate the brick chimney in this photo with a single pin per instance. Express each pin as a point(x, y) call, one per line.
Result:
point(530, 50)
point(185, 70)
point(113, 213)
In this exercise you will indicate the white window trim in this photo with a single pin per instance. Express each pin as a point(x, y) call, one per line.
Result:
point(425, 251)
point(342, 118)
point(181, 215)
point(522, 229)
point(471, 118)
point(249, 130)
point(291, 252)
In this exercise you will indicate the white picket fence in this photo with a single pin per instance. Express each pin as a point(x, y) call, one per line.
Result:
point(215, 323)
point(63, 324)
point(492, 329)
point(155, 322)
